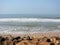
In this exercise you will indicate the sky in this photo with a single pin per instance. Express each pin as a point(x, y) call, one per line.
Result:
point(30, 7)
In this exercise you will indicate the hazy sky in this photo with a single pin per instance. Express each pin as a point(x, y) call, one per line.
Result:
point(29, 6)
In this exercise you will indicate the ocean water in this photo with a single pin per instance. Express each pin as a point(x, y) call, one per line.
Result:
point(18, 23)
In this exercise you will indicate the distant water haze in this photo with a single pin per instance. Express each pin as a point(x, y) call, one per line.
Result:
point(29, 16)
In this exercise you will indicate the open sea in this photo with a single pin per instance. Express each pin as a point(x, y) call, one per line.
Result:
point(28, 23)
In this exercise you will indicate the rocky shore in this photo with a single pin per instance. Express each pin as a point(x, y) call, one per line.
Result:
point(29, 40)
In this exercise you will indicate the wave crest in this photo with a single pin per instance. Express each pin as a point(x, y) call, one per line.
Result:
point(28, 20)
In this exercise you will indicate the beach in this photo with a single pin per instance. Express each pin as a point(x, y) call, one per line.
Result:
point(29, 31)
point(29, 22)
point(51, 38)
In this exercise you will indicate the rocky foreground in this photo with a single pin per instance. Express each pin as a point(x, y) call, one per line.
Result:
point(29, 40)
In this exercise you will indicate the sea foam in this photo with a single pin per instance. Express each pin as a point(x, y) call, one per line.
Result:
point(28, 20)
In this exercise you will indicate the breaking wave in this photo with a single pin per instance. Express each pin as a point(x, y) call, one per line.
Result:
point(28, 20)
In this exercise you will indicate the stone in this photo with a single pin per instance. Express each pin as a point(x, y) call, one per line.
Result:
point(53, 39)
point(43, 43)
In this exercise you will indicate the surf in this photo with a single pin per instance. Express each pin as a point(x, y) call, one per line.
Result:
point(28, 20)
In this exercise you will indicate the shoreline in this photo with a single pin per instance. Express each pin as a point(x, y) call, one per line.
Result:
point(36, 34)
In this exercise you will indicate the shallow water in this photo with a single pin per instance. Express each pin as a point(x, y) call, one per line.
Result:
point(28, 25)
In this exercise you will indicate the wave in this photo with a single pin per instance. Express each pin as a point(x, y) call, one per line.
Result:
point(28, 20)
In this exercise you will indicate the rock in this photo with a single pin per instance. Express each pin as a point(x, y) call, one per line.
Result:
point(52, 44)
point(5, 43)
point(34, 41)
point(20, 43)
point(48, 40)
point(44, 39)
point(29, 38)
point(57, 38)
point(24, 42)
point(14, 42)
point(8, 41)
point(53, 39)
point(16, 38)
point(43, 43)
point(2, 39)
point(57, 42)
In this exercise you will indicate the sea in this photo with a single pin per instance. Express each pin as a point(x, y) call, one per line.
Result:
point(28, 23)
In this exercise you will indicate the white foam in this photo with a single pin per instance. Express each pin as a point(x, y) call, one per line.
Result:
point(28, 20)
